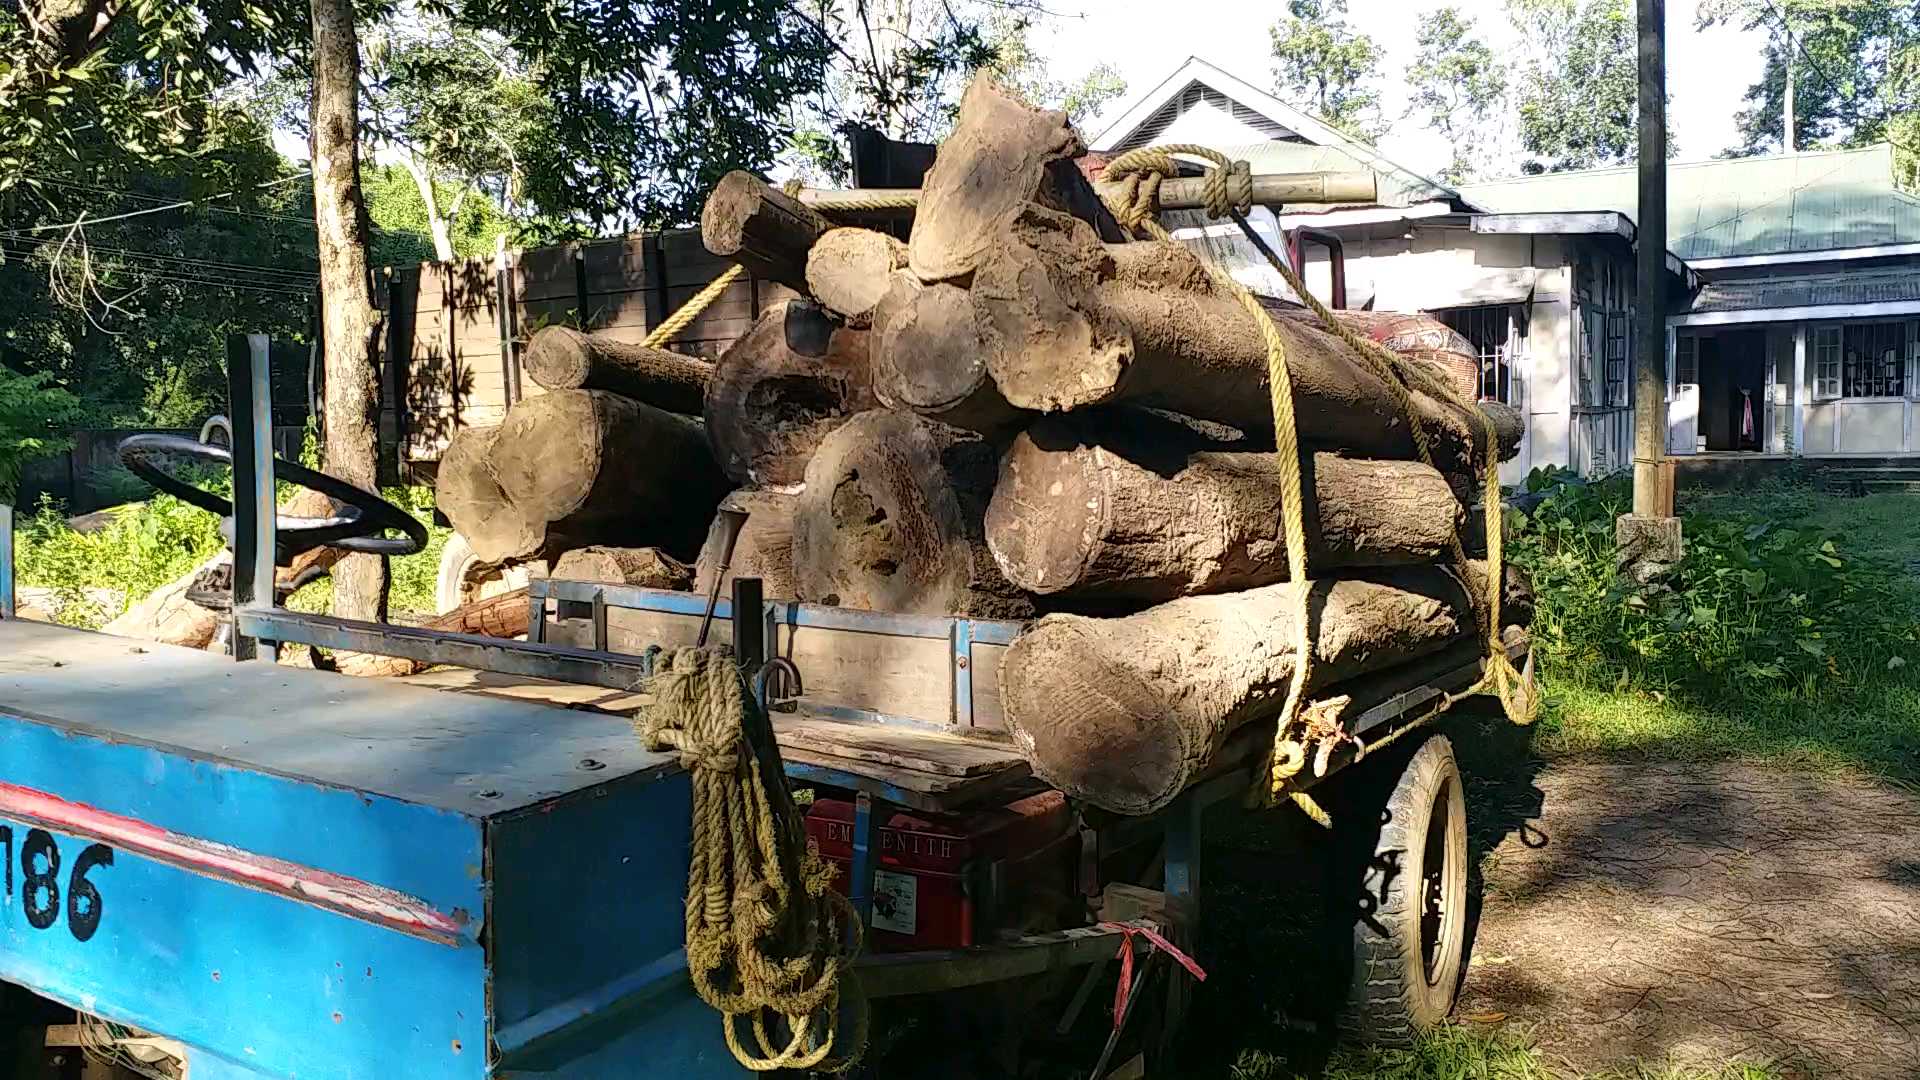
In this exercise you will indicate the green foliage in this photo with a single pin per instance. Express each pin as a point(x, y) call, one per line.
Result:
point(403, 231)
point(1756, 609)
point(1325, 65)
point(1856, 74)
point(1457, 82)
point(144, 75)
point(152, 543)
point(1022, 69)
point(34, 420)
point(1578, 92)
point(148, 545)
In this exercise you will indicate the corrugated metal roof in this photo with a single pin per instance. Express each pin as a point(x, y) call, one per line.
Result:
point(1809, 290)
point(1738, 207)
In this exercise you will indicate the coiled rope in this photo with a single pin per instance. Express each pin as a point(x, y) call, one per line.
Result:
point(1228, 193)
point(766, 936)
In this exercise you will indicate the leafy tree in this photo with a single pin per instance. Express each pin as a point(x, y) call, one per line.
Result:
point(1855, 67)
point(1578, 89)
point(907, 62)
point(34, 420)
point(1457, 82)
point(1322, 63)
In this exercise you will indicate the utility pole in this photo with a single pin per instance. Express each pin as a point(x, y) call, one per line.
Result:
point(1786, 134)
point(1649, 537)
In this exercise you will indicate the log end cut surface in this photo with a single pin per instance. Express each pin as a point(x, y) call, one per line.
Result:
point(466, 491)
point(1108, 729)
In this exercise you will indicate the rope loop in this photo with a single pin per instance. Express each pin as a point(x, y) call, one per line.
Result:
point(767, 938)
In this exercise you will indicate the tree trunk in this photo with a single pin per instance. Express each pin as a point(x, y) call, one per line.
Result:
point(764, 549)
point(349, 323)
point(647, 568)
point(1000, 156)
point(1127, 505)
point(590, 465)
point(1065, 322)
point(778, 391)
point(890, 520)
point(760, 227)
point(1124, 712)
point(562, 358)
point(848, 271)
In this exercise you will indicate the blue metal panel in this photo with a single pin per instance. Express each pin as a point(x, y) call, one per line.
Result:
point(675, 1036)
point(586, 890)
point(961, 662)
point(274, 981)
point(6, 561)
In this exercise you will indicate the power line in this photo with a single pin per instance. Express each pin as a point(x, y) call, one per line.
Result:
point(31, 245)
point(186, 276)
point(75, 185)
point(84, 221)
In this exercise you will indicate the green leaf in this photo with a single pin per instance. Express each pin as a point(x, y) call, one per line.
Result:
point(1812, 647)
point(1894, 663)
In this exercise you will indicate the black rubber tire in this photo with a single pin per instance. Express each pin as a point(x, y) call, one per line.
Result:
point(1400, 893)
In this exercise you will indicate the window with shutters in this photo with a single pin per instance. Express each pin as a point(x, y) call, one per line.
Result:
point(1826, 363)
point(1686, 360)
point(1617, 358)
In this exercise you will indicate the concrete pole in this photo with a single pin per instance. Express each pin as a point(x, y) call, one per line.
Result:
point(1650, 398)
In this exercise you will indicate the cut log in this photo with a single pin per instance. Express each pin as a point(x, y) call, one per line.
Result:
point(587, 465)
point(647, 568)
point(1124, 712)
point(760, 227)
point(890, 520)
point(764, 549)
point(465, 490)
point(502, 616)
point(927, 357)
point(848, 271)
point(167, 616)
point(1063, 327)
point(1127, 505)
point(562, 358)
point(993, 164)
point(780, 389)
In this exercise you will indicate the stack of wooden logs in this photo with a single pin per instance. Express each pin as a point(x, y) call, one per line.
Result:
point(1016, 413)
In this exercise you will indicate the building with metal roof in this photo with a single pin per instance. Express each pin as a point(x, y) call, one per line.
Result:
point(1794, 280)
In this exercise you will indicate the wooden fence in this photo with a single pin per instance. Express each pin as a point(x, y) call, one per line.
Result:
point(454, 331)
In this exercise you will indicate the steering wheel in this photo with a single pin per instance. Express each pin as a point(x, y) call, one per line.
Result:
point(362, 526)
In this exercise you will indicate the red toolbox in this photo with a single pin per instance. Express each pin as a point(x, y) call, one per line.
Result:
point(946, 881)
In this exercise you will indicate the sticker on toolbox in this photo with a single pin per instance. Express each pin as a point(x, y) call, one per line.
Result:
point(893, 901)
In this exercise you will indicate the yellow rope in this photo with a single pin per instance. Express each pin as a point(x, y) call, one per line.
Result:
point(765, 933)
point(1134, 204)
point(689, 311)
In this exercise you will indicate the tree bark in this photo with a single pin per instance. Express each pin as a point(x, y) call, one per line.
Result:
point(764, 549)
point(349, 323)
point(1124, 712)
point(166, 615)
point(645, 567)
point(588, 465)
point(1127, 505)
point(848, 271)
point(562, 358)
point(890, 520)
point(990, 167)
point(760, 227)
point(778, 391)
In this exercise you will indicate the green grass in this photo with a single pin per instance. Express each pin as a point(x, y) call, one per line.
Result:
point(1456, 1052)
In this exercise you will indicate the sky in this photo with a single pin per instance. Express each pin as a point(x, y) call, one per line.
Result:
point(1707, 72)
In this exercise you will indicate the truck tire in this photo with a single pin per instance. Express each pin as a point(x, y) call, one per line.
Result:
point(1400, 893)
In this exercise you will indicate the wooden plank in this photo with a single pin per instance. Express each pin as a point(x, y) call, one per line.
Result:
point(932, 792)
point(493, 684)
point(988, 713)
point(892, 744)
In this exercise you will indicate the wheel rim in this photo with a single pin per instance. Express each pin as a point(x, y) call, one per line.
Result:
point(1439, 865)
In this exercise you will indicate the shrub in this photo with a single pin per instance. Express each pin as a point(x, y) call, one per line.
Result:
point(1753, 607)
point(34, 420)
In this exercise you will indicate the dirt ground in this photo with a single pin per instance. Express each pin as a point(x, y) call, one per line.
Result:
point(1700, 913)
